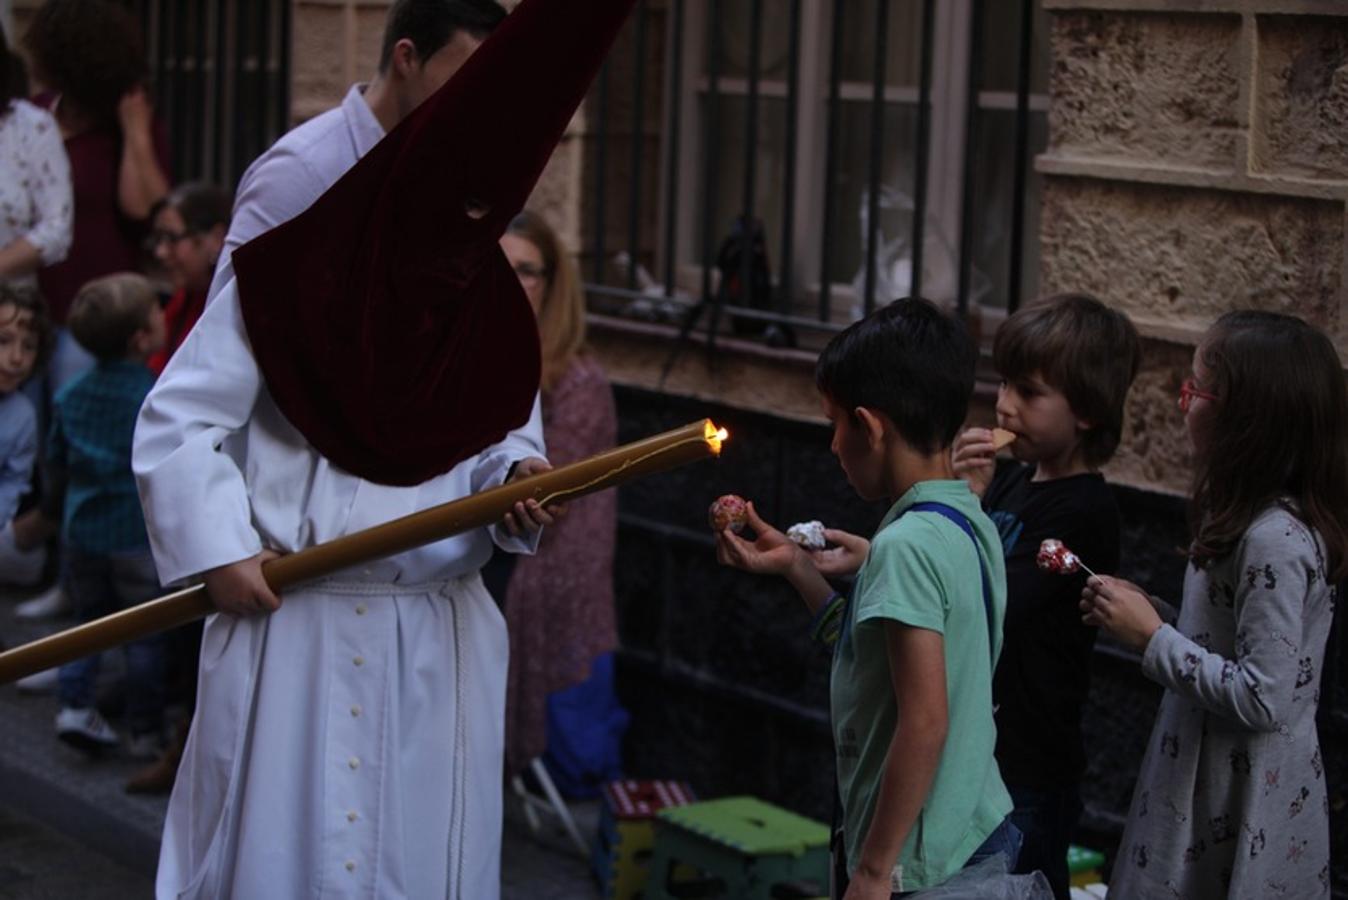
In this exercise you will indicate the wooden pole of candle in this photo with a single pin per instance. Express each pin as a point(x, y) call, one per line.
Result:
point(697, 440)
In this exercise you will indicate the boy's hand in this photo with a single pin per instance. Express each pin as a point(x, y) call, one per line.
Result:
point(770, 553)
point(866, 887)
point(239, 588)
point(529, 516)
point(844, 559)
point(974, 458)
point(134, 112)
point(1122, 608)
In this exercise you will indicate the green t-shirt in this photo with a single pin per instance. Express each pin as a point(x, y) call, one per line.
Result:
point(923, 571)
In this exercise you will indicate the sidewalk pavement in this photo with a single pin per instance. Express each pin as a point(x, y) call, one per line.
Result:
point(44, 784)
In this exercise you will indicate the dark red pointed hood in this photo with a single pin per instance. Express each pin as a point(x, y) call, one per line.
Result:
point(389, 327)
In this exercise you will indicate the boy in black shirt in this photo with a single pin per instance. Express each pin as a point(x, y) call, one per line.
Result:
point(1066, 365)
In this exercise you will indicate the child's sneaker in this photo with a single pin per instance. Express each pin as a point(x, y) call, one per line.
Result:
point(48, 604)
point(85, 729)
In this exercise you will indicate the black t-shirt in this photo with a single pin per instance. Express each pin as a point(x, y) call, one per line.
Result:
point(1044, 673)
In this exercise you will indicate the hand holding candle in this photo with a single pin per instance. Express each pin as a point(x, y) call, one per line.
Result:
point(693, 442)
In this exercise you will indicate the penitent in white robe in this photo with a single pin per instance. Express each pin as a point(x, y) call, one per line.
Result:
point(350, 744)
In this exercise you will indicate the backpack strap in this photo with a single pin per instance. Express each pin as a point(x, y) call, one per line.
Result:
point(960, 519)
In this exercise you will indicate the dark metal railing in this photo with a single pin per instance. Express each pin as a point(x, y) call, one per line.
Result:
point(688, 232)
point(221, 71)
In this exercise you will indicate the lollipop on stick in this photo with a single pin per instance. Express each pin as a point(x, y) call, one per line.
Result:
point(1054, 557)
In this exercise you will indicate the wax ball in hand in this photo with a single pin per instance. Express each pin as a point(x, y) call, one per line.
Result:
point(728, 511)
point(809, 535)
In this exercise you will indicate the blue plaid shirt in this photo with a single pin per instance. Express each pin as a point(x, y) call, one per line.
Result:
point(89, 453)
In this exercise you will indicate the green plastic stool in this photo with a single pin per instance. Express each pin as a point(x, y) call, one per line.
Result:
point(747, 846)
point(1083, 865)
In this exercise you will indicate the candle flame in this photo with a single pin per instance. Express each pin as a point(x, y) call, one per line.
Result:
point(715, 436)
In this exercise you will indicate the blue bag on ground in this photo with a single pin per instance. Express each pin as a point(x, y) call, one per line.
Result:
point(586, 724)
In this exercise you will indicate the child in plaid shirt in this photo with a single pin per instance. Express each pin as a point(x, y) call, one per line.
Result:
point(117, 319)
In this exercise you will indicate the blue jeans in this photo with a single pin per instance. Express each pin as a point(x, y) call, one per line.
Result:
point(1047, 817)
point(103, 584)
point(1005, 839)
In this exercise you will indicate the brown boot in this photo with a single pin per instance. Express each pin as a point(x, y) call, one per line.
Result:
point(157, 778)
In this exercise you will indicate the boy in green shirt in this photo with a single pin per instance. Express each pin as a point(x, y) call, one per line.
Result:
point(916, 645)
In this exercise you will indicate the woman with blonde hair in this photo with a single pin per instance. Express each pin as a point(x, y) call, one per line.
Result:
point(559, 602)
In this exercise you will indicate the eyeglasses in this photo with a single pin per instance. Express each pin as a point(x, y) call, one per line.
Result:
point(170, 237)
point(1188, 391)
point(527, 272)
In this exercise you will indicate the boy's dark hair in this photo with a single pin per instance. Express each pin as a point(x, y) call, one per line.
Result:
point(202, 205)
point(429, 24)
point(1279, 429)
point(108, 311)
point(908, 360)
point(1083, 348)
point(27, 299)
point(89, 51)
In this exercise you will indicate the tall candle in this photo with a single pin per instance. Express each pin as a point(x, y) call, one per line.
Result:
point(697, 440)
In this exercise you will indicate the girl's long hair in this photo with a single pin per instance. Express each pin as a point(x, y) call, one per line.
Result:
point(561, 320)
point(1279, 429)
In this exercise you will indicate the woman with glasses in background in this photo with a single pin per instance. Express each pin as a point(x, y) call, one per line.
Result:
point(559, 603)
point(189, 230)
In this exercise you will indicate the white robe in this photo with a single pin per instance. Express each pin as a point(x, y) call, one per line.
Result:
point(350, 744)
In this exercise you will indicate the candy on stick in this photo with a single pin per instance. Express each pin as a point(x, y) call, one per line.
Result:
point(1054, 557)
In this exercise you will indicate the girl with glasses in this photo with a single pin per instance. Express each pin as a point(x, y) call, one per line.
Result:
point(1231, 799)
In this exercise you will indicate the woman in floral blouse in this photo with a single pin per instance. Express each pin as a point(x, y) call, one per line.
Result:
point(36, 209)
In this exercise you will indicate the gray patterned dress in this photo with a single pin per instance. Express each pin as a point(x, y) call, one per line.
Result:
point(1231, 800)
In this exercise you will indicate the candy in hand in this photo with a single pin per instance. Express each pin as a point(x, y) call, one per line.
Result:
point(809, 535)
point(728, 511)
point(1054, 557)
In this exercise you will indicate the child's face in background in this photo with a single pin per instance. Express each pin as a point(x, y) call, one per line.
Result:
point(18, 347)
point(861, 463)
point(1048, 433)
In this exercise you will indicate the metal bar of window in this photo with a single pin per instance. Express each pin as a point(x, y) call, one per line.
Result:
point(638, 139)
point(240, 154)
point(672, 151)
point(1022, 149)
point(830, 158)
point(785, 279)
point(220, 171)
point(200, 104)
point(877, 148)
point(282, 89)
point(177, 103)
point(922, 153)
point(710, 138)
point(257, 126)
point(600, 165)
point(747, 215)
point(972, 121)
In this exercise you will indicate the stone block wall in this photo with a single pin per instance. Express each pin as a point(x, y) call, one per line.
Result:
point(1197, 163)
